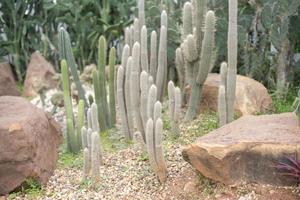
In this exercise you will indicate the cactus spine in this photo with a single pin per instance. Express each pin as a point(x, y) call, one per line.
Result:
point(65, 52)
point(232, 59)
point(112, 104)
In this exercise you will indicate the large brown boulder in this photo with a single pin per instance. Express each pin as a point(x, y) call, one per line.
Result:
point(8, 84)
point(40, 75)
point(251, 96)
point(248, 150)
point(29, 141)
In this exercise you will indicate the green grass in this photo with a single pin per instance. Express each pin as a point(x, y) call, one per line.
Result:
point(30, 188)
point(285, 105)
point(70, 160)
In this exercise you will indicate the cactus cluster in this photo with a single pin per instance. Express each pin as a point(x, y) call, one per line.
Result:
point(174, 95)
point(154, 134)
point(137, 73)
point(73, 129)
point(92, 153)
point(196, 56)
point(226, 97)
point(106, 107)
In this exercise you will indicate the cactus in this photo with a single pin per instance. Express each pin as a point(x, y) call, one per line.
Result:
point(136, 28)
point(141, 9)
point(144, 97)
point(65, 52)
point(232, 59)
point(80, 121)
point(102, 47)
point(98, 94)
point(144, 50)
point(135, 90)
point(94, 118)
point(127, 91)
point(161, 70)
point(84, 137)
point(152, 98)
point(153, 57)
point(222, 101)
point(86, 163)
point(121, 102)
point(112, 104)
point(96, 157)
point(154, 144)
point(71, 135)
point(222, 111)
point(174, 107)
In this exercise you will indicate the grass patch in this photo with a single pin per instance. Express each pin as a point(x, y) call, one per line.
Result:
point(111, 141)
point(30, 188)
point(70, 160)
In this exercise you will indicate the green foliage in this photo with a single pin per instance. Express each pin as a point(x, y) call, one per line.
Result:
point(30, 188)
point(27, 26)
point(70, 160)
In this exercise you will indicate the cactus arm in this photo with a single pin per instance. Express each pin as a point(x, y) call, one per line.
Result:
point(150, 144)
point(176, 115)
point(171, 95)
point(200, 10)
point(187, 19)
point(94, 116)
point(222, 106)
point(95, 156)
point(112, 103)
point(157, 111)
point(136, 28)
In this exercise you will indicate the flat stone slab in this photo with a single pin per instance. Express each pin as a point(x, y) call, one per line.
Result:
point(247, 150)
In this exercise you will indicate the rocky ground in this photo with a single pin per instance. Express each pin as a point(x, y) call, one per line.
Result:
point(126, 173)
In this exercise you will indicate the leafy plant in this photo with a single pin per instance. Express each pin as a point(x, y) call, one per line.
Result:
point(290, 167)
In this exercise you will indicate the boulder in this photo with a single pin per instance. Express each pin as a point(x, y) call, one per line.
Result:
point(7, 81)
point(28, 145)
point(251, 96)
point(247, 150)
point(40, 76)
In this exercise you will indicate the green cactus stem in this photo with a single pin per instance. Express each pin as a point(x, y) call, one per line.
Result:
point(98, 94)
point(102, 47)
point(112, 103)
point(66, 53)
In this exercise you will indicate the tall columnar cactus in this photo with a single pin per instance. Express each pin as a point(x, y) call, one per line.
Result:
point(153, 55)
point(66, 53)
point(102, 48)
point(86, 162)
point(144, 50)
point(96, 156)
point(144, 96)
point(152, 98)
point(232, 58)
point(84, 137)
point(94, 118)
point(174, 107)
point(196, 52)
point(137, 30)
point(71, 136)
point(112, 103)
point(135, 89)
point(141, 9)
point(161, 69)
point(100, 105)
point(154, 133)
point(127, 90)
point(121, 102)
point(80, 121)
